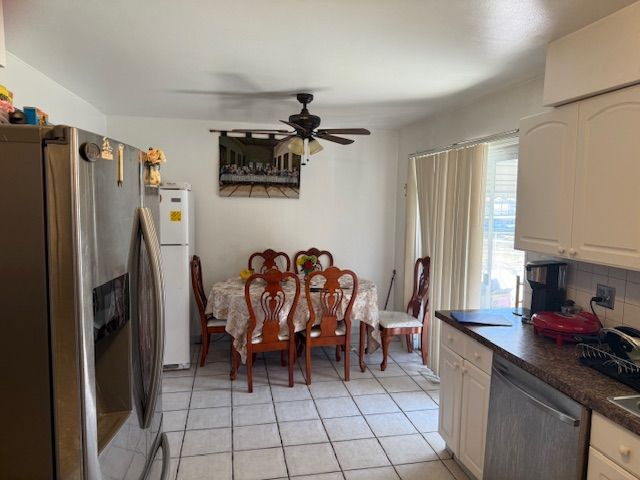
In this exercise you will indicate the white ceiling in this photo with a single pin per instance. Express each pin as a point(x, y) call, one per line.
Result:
point(370, 62)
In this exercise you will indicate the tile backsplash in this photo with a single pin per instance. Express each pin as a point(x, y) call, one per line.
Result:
point(582, 279)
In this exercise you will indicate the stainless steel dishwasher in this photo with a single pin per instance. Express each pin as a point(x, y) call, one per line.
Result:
point(533, 431)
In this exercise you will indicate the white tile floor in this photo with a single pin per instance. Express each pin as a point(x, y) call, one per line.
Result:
point(379, 425)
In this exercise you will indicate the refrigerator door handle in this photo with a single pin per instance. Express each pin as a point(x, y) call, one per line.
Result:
point(161, 444)
point(152, 245)
point(166, 457)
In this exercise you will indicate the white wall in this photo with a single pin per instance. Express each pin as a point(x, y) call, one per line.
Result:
point(495, 113)
point(346, 205)
point(32, 88)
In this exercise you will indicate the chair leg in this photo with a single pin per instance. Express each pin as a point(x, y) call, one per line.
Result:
point(204, 349)
point(307, 352)
point(363, 333)
point(250, 356)
point(409, 338)
point(347, 361)
point(337, 353)
point(292, 352)
point(283, 358)
point(386, 339)
point(423, 345)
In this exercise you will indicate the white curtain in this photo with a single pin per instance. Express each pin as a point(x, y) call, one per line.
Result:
point(412, 247)
point(448, 189)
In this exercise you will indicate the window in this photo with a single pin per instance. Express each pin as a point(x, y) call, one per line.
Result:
point(501, 264)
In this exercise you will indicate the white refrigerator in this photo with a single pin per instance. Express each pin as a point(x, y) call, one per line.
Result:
point(176, 244)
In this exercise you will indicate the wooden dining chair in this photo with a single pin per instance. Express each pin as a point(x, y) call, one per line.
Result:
point(316, 253)
point(268, 338)
point(331, 330)
point(269, 260)
point(208, 323)
point(409, 323)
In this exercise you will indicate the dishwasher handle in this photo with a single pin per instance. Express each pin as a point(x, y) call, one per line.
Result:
point(541, 405)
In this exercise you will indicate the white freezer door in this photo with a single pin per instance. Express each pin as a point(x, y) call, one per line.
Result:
point(176, 285)
point(174, 217)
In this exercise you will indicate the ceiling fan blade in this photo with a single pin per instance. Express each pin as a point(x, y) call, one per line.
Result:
point(346, 131)
point(333, 138)
point(249, 130)
point(264, 95)
point(294, 125)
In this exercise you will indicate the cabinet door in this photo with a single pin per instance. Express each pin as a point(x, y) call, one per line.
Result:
point(450, 397)
point(606, 224)
point(546, 169)
point(473, 420)
point(601, 468)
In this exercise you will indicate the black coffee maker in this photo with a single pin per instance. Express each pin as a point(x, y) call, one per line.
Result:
point(548, 280)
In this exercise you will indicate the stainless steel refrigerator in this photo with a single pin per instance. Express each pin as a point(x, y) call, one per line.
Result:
point(82, 309)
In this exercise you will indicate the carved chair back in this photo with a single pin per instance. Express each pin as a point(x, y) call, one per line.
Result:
point(270, 304)
point(198, 290)
point(269, 260)
point(332, 296)
point(420, 297)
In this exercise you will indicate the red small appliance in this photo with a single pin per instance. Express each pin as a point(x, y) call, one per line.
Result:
point(566, 327)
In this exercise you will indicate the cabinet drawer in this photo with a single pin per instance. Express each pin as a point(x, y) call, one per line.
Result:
point(617, 443)
point(453, 339)
point(601, 468)
point(478, 354)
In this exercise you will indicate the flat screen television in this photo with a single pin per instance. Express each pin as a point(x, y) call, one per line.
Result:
point(258, 167)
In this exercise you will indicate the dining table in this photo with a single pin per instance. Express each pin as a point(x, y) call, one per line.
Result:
point(226, 301)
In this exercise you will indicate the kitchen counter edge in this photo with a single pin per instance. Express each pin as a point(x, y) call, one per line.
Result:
point(555, 373)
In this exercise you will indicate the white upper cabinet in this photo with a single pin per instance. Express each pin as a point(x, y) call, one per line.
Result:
point(546, 168)
point(607, 188)
point(579, 193)
point(602, 56)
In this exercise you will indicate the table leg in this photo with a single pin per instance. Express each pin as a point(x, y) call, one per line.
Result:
point(235, 363)
point(299, 346)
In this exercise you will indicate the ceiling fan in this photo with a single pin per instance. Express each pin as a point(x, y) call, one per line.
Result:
point(302, 140)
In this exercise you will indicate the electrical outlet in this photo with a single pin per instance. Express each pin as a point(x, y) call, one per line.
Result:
point(608, 295)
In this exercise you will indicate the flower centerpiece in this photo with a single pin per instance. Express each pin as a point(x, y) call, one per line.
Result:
point(154, 158)
point(307, 263)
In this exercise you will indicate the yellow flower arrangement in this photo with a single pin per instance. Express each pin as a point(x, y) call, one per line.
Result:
point(154, 158)
point(245, 274)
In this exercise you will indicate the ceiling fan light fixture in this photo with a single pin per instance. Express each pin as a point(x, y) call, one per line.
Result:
point(315, 147)
point(296, 146)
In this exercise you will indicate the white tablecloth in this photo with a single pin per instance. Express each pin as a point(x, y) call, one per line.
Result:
point(226, 301)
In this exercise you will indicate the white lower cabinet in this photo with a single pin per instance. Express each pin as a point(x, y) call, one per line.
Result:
point(464, 400)
point(473, 421)
point(601, 468)
point(450, 398)
point(614, 452)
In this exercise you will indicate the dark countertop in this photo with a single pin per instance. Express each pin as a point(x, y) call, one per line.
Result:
point(557, 366)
